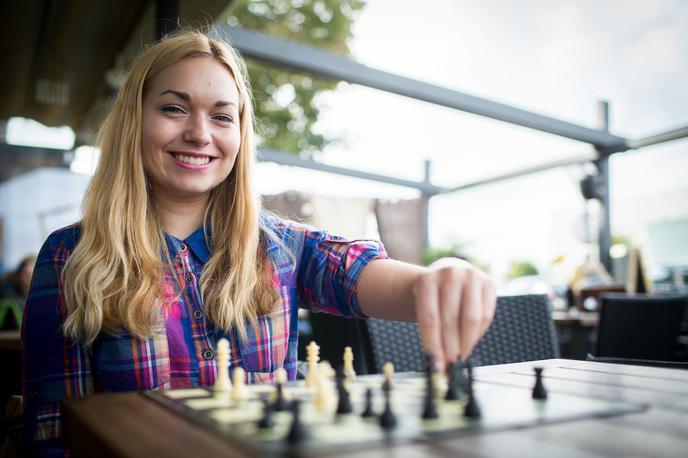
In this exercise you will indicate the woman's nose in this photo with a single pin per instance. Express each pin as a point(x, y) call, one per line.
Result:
point(197, 130)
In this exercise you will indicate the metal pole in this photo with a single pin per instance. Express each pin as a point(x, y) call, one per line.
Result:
point(603, 191)
point(425, 206)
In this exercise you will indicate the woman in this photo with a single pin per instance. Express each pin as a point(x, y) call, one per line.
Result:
point(174, 253)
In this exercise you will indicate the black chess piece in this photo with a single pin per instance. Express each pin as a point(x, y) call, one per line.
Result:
point(344, 403)
point(266, 421)
point(297, 432)
point(455, 382)
point(472, 409)
point(368, 409)
point(280, 404)
point(388, 420)
point(539, 391)
point(430, 407)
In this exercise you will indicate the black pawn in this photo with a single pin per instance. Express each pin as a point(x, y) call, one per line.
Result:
point(388, 420)
point(454, 382)
point(539, 391)
point(280, 404)
point(344, 404)
point(472, 409)
point(429, 408)
point(368, 409)
point(297, 432)
point(266, 421)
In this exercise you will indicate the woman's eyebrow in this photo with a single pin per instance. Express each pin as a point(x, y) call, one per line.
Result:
point(185, 96)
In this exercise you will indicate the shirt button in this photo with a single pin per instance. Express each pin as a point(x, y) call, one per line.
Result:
point(208, 354)
point(198, 314)
point(189, 279)
point(182, 247)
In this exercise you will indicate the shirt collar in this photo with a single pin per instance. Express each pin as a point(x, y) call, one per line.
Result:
point(196, 242)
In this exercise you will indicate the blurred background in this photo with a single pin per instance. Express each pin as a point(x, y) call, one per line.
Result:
point(542, 140)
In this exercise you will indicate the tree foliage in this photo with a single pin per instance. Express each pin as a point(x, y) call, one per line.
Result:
point(521, 269)
point(286, 105)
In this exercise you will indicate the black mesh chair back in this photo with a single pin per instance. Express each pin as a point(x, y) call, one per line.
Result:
point(640, 327)
point(395, 341)
point(522, 330)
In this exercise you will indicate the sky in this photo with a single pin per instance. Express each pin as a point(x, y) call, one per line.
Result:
point(557, 58)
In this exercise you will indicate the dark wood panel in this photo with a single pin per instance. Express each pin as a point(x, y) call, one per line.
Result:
point(131, 425)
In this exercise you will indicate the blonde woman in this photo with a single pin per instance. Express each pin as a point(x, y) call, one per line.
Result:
point(173, 253)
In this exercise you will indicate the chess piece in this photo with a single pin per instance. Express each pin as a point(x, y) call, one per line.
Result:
point(472, 409)
point(239, 390)
point(388, 371)
point(312, 357)
point(454, 384)
point(266, 421)
point(368, 409)
point(430, 407)
point(222, 383)
point(297, 431)
point(344, 402)
point(539, 391)
point(280, 404)
point(388, 420)
point(349, 371)
point(324, 397)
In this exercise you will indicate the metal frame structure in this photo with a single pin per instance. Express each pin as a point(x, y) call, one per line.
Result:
point(323, 64)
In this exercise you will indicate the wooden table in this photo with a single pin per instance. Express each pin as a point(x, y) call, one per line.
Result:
point(131, 425)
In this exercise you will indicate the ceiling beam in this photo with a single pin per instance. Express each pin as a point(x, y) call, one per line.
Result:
point(667, 136)
point(282, 158)
point(324, 64)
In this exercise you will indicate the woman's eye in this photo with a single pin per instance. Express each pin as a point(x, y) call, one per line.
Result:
point(172, 109)
point(224, 118)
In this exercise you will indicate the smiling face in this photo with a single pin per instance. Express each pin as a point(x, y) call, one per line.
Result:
point(190, 130)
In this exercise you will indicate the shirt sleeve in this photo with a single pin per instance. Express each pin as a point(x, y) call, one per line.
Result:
point(329, 270)
point(55, 368)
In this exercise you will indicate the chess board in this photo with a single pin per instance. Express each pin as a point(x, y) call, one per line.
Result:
point(502, 407)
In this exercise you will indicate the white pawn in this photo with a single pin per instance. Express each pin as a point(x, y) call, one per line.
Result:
point(312, 357)
point(388, 371)
point(222, 383)
point(348, 368)
point(239, 390)
point(324, 391)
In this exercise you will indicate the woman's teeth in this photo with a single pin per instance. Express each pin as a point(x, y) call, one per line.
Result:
point(191, 159)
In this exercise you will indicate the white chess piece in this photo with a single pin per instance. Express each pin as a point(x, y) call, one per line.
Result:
point(239, 390)
point(388, 371)
point(348, 368)
point(222, 383)
point(324, 391)
point(312, 357)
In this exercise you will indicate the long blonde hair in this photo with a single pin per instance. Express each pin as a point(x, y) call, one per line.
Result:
point(114, 277)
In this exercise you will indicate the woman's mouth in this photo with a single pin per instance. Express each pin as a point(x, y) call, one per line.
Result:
point(192, 160)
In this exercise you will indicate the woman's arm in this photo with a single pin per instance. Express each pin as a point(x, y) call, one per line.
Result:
point(54, 367)
point(452, 301)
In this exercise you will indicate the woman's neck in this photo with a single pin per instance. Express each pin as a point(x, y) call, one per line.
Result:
point(181, 219)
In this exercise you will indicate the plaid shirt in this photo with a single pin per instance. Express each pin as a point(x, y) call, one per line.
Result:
point(324, 278)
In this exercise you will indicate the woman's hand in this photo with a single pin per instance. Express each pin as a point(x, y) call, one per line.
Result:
point(454, 306)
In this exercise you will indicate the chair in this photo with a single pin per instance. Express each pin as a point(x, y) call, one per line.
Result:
point(640, 329)
point(522, 330)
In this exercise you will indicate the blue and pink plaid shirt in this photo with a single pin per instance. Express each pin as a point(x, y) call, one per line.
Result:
point(323, 279)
